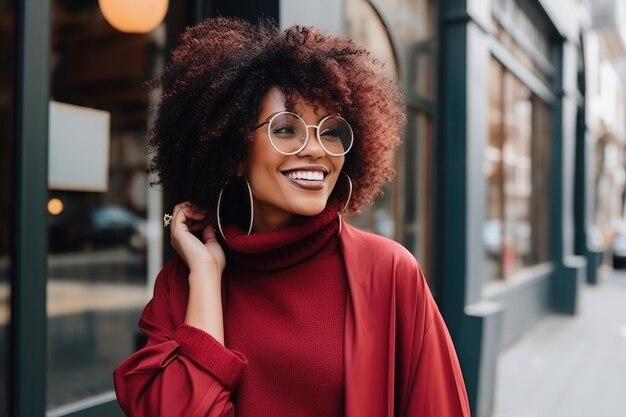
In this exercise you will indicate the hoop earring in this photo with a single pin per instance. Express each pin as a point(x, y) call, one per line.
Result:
point(347, 201)
point(219, 204)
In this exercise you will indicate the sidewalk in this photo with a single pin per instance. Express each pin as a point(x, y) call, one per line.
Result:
point(570, 366)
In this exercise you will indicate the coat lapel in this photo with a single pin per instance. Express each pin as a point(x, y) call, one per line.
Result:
point(369, 343)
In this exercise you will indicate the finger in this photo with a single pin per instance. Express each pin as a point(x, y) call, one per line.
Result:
point(193, 212)
point(197, 225)
point(208, 233)
point(187, 207)
point(178, 208)
point(185, 213)
point(179, 217)
point(196, 208)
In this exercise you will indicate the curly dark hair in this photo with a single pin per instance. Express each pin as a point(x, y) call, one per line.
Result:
point(212, 91)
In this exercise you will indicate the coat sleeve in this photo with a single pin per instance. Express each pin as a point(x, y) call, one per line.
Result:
point(434, 382)
point(181, 371)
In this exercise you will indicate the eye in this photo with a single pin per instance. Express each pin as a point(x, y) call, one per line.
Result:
point(283, 130)
point(330, 134)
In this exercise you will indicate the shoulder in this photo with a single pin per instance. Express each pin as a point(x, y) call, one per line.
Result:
point(378, 265)
point(377, 248)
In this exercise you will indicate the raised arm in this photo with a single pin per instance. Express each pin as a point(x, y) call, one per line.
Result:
point(184, 369)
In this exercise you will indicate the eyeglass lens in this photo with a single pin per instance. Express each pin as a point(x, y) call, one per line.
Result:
point(288, 134)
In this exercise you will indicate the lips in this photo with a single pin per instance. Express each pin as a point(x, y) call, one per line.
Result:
point(309, 178)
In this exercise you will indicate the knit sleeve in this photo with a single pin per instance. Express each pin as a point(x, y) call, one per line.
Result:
point(181, 371)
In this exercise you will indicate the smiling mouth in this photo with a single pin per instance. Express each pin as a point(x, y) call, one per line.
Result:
point(307, 179)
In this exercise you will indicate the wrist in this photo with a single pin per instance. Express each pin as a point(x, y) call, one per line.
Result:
point(206, 270)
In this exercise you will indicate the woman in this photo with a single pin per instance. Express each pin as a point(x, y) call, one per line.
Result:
point(274, 305)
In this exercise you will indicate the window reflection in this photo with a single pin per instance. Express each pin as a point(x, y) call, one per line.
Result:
point(98, 236)
point(404, 211)
point(516, 168)
point(365, 26)
point(419, 177)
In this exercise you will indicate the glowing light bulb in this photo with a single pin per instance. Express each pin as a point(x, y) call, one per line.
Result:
point(134, 16)
point(55, 206)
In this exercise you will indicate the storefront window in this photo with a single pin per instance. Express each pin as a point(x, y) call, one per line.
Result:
point(404, 212)
point(413, 20)
point(7, 135)
point(515, 232)
point(365, 26)
point(419, 171)
point(525, 35)
point(98, 228)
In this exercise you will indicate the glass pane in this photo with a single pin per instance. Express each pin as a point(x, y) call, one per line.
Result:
point(379, 217)
point(422, 73)
point(517, 173)
point(404, 211)
point(492, 230)
point(414, 20)
point(365, 26)
point(540, 220)
point(7, 133)
point(525, 36)
point(418, 172)
point(98, 228)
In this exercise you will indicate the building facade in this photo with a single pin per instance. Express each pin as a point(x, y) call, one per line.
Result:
point(494, 193)
point(506, 175)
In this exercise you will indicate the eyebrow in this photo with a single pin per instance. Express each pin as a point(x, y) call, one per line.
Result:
point(267, 119)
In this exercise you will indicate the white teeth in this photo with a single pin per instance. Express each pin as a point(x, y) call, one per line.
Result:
point(306, 175)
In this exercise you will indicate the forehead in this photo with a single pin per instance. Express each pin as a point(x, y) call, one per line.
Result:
point(277, 99)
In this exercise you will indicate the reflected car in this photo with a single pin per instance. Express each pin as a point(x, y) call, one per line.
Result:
point(99, 227)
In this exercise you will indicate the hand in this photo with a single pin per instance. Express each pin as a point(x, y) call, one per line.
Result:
point(203, 252)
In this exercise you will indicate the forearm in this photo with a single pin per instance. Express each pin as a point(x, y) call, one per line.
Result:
point(204, 307)
point(182, 370)
point(161, 381)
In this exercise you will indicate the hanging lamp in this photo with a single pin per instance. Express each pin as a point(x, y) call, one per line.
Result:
point(134, 16)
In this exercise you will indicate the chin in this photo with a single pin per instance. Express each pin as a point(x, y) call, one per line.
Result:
point(310, 208)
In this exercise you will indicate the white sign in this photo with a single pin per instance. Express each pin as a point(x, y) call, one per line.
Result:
point(78, 155)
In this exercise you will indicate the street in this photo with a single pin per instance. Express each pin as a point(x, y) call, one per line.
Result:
point(570, 366)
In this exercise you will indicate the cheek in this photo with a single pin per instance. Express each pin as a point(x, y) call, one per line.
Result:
point(262, 167)
point(342, 181)
point(338, 163)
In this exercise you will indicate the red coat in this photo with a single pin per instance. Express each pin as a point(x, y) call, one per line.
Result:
point(399, 359)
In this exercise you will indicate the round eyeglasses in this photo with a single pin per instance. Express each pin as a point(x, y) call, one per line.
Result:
point(288, 133)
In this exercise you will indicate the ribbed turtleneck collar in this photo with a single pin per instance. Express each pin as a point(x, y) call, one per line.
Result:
point(282, 248)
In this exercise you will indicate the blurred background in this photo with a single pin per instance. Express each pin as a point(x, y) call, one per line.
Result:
point(510, 188)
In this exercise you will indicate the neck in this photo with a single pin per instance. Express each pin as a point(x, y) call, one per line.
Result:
point(265, 221)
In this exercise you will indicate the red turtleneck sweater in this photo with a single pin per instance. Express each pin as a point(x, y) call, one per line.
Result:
point(284, 296)
point(284, 310)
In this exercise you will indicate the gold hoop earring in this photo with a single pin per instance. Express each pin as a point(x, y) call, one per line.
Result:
point(219, 204)
point(347, 201)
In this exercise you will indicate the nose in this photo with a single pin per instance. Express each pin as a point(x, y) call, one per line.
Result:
point(313, 147)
